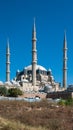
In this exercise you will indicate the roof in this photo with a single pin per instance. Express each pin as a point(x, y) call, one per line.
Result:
point(37, 67)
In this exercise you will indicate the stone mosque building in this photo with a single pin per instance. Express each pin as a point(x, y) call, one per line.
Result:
point(35, 77)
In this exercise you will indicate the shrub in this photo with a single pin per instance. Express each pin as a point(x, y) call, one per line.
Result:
point(66, 102)
point(14, 92)
point(3, 91)
point(62, 102)
point(69, 102)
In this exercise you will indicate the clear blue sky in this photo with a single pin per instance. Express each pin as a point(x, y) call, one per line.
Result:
point(52, 18)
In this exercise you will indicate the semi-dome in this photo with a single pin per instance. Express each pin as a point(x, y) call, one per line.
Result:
point(38, 67)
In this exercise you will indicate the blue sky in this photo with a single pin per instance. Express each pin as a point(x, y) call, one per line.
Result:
point(52, 18)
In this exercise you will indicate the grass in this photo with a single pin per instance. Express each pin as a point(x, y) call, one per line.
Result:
point(6, 124)
point(20, 115)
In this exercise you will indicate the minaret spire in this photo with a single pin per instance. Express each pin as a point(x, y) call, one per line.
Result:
point(34, 27)
point(65, 62)
point(7, 61)
point(34, 55)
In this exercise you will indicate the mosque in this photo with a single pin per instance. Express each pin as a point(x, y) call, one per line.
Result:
point(35, 77)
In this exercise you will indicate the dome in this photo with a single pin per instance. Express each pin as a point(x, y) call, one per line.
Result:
point(37, 67)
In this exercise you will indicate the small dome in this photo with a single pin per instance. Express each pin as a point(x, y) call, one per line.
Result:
point(48, 88)
point(18, 71)
point(25, 68)
point(1, 83)
point(15, 83)
point(49, 70)
point(24, 80)
point(8, 83)
point(37, 67)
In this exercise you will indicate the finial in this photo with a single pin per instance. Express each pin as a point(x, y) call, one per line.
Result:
point(34, 31)
point(8, 42)
point(65, 41)
point(65, 35)
point(34, 28)
point(34, 20)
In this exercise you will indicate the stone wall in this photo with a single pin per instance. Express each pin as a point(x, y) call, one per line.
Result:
point(63, 95)
point(33, 95)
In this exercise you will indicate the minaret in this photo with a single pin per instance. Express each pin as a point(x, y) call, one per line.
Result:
point(7, 62)
point(34, 55)
point(65, 62)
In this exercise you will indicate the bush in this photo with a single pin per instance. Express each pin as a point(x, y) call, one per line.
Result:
point(14, 92)
point(3, 91)
point(69, 102)
point(62, 102)
point(66, 102)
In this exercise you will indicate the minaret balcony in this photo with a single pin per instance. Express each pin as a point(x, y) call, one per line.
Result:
point(65, 58)
point(8, 62)
point(65, 49)
point(7, 54)
point(34, 50)
point(34, 62)
point(8, 72)
point(65, 68)
point(34, 39)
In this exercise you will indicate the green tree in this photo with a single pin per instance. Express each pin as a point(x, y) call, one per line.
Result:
point(3, 91)
point(14, 92)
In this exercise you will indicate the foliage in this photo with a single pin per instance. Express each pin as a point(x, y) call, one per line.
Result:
point(14, 92)
point(66, 102)
point(62, 102)
point(69, 102)
point(3, 91)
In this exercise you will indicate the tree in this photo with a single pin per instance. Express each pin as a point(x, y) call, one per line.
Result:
point(3, 91)
point(14, 92)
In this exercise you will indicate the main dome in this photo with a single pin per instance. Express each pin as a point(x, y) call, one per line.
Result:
point(38, 67)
